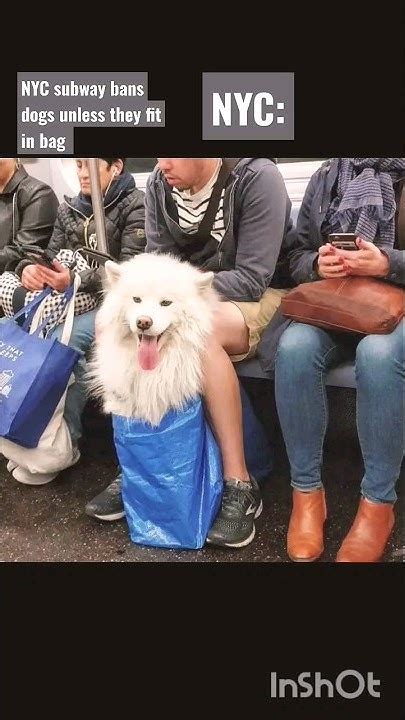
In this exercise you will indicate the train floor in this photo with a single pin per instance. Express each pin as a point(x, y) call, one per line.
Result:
point(48, 524)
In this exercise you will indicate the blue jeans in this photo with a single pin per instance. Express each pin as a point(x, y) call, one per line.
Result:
point(81, 339)
point(304, 356)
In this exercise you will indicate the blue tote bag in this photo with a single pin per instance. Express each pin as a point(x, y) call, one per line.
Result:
point(34, 373)
point(172, 478)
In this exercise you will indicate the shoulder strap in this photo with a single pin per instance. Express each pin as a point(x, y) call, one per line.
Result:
point(207, 223)
point(401, 218)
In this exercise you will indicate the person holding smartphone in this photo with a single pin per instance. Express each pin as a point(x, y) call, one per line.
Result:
point(360, 196)
point(75, 230)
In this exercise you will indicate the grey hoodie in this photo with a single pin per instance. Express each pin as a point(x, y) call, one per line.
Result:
point(259, 231)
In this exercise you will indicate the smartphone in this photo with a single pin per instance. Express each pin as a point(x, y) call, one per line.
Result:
point(343, 241)
point(38, 255)
point(41, 260)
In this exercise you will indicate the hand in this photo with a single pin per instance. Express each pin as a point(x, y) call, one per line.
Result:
point(329, 264)
point(58, 279)
point(32, 278)
point(368, 260)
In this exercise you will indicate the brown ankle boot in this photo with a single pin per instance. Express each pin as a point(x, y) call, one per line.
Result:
point(305, 532)
point(369, 533)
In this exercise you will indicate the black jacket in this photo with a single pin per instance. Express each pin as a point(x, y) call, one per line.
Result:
point(28, 210)
point(124, 222)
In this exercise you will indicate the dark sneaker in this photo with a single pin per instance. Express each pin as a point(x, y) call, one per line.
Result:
point(234, 525)
point(108, 504)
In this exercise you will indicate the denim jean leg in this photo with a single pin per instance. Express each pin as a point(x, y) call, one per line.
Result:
point(380, 376)
point(81, 339)
point(304, 355)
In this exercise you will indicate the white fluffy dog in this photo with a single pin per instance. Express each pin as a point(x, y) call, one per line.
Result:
point(151, 334)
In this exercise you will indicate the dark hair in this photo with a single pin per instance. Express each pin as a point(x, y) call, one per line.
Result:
point(110, 161)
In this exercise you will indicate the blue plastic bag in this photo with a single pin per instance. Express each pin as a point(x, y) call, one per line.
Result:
point(34, 373)
point(172, 478)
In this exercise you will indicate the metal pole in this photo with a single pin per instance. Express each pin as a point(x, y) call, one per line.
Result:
point(97, 203)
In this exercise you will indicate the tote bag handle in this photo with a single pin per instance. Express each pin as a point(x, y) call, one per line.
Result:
point(39, 321)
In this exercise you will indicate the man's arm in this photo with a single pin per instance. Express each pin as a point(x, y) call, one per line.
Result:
point(259, 237)
point(37, 217)
point(56, 243)
point(37, 213)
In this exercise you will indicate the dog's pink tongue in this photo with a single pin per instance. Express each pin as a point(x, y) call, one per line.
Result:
point(148, 353)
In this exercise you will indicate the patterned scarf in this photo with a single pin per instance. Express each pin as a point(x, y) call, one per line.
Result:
point(365, 199)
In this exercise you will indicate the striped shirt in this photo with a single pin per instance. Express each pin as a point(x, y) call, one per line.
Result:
point(191, 208)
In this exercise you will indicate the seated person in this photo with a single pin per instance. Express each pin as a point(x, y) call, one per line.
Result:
point(241, 243)
point(28, 210)
point(359, 195)
point(75, 229)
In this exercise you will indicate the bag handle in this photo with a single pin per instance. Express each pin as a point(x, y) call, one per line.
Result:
point(39, 322)
point(207, 223)
point(31, 307)
point(68, 324)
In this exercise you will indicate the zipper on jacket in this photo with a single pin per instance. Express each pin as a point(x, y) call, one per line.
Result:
point(231, 202)
point(85, 229)
point(14, 204)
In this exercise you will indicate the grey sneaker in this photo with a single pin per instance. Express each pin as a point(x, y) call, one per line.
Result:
point(234, 525)
point(108, 504)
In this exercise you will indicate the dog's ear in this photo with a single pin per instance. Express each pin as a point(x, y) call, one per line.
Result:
point(204, 281)
point(112, 272)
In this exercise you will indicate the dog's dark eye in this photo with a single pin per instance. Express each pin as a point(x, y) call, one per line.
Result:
point(166, 303)
point(137, 299)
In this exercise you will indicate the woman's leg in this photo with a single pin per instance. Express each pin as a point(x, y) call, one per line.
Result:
point(380, 420)
point(304, 355)
point(380, 372)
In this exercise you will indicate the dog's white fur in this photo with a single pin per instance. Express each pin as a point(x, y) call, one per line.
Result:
point(115, 374)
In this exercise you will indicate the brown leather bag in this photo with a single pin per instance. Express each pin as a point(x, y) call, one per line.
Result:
point(355, 304)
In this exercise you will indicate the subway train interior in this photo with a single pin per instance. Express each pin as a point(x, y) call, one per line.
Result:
point(48, 524)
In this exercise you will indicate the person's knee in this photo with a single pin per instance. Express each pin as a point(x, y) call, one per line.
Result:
point(299, 345)
point(229, 329)
point(217, 328)
point(375, 355)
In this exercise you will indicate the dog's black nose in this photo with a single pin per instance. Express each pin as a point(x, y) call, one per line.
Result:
point(144, 322)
